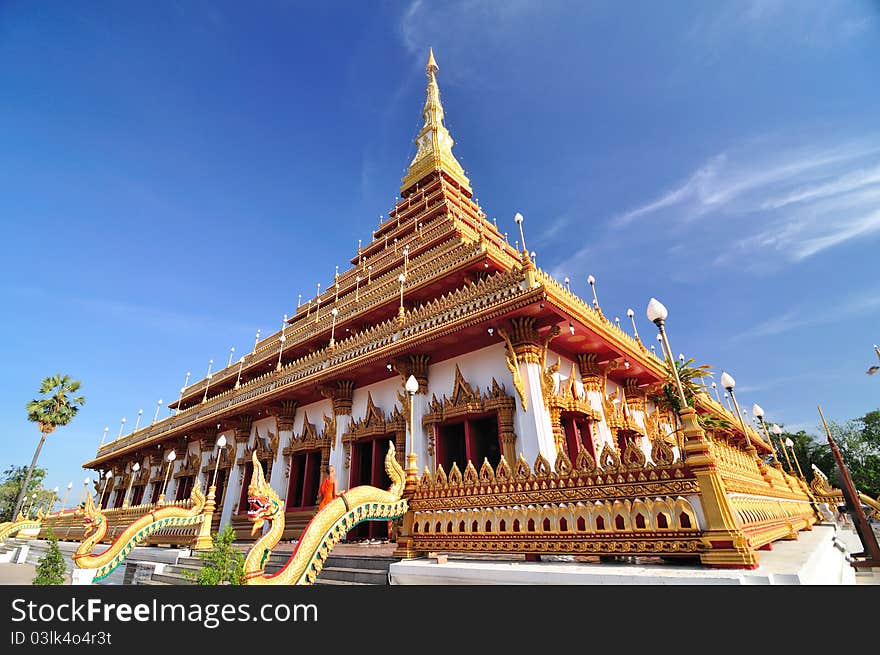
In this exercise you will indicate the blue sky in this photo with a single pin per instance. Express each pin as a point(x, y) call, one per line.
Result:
point(175, 174)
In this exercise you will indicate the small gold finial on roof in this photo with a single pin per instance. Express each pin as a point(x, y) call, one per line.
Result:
point(433, 143)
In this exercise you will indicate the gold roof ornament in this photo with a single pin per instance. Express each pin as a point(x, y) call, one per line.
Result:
point(433, 143)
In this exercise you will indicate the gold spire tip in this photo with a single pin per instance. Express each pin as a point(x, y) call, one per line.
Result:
point(432, 63)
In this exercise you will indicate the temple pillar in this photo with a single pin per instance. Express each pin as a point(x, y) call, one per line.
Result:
point(526, 353)
point(728, 546)
point(340, 394)
point(591, 377)
point(240, 438)
point(284, 414)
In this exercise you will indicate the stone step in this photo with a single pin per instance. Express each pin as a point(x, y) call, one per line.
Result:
point(322, 582)
point(171, 579)
point(360, 562)
point(351, 574)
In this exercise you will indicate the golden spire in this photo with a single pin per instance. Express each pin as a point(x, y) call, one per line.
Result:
point(433, 143)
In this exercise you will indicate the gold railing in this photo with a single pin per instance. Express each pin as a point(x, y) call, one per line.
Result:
point(67, 526)
point(621, 506)
point(769, 504)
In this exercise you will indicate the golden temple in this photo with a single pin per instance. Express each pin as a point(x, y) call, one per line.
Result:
point(532, 426)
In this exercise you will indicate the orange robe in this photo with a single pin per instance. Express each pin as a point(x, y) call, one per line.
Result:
point(327, 491)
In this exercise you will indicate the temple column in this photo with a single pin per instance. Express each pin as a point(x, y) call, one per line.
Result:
point(526, 353)
point(340, 394)
point(284, 413)
point(591, 377)
point(233, 485)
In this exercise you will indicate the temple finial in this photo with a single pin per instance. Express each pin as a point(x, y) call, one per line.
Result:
point(433, 143)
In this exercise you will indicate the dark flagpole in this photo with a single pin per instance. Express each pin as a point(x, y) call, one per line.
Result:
point(871, 555)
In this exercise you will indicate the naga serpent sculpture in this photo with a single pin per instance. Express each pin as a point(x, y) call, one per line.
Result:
point(21, 522)
point(324, 531)
point(95, 523)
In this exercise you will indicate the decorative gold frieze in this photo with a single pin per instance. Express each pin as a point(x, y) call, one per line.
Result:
point(243, 429)
point(416, 365)
point(340, 393)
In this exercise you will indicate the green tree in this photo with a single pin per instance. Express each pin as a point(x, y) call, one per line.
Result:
point(692, 378)
point(50, 567)
point(223, 565)
point(859, 443)
point(56, 409)
point(11, 485)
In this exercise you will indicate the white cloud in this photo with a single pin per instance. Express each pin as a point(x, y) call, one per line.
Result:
point(803, 316)
point(792, 203)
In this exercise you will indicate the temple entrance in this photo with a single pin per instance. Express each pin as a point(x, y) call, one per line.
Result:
point(578, 435)
point(157, 491)
point(118, 498)
point(184, 487)
point(305, 478)
point(368, 467)
point(137, 494)
point(472, 439)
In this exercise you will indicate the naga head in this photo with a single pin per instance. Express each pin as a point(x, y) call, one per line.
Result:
point(91, 516)
point(263, 503)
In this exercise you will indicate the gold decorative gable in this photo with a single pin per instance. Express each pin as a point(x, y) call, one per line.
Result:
point(225, 460)
point(189, 467)
point(264, 447)
point(466, 400)
point(308, 439)
point(374, 424)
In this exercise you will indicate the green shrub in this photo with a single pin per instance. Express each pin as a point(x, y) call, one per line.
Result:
point(51, 568)
point(223, 565)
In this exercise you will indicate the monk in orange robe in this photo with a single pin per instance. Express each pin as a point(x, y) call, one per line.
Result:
point(327, 490)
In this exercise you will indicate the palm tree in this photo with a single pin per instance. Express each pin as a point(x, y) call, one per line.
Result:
point(54, 410)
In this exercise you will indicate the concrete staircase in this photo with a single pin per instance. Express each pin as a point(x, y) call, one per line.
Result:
point(338, 570)
point(343, 569)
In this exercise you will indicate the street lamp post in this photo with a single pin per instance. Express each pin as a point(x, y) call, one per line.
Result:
point(207, 380)
point(221, 444)
point(134, 469)
point(400, 315)
point(334, 312)
point(657, 314)
point(138, 421)
point(412, 385)
point(170, 458)
point(281, 341)
point(54, 498)
point(66, 496)
point(82, 498)
point(238, 377)
point(632, 317)
point(121, 428)
point(156, 415)
point(182, 389)
point(758, 413)
point(775, 429)
point(107, 477)
point(729, 383)
point(104, 436)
